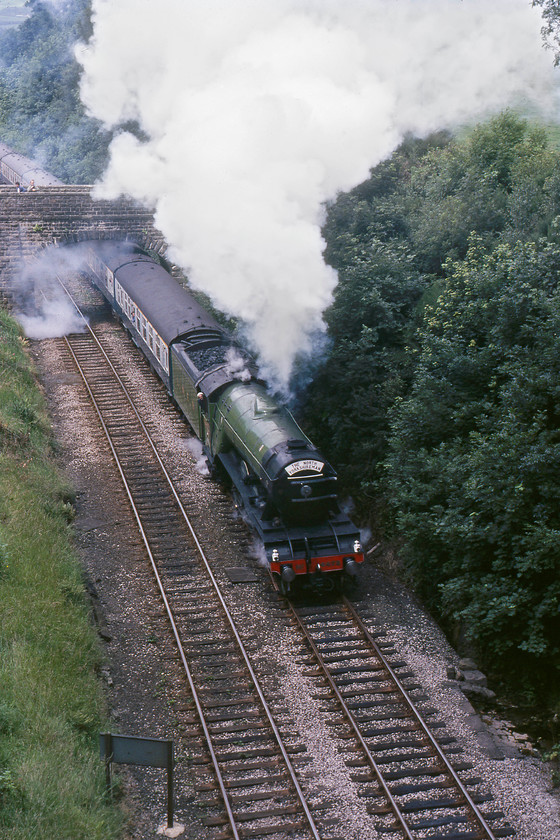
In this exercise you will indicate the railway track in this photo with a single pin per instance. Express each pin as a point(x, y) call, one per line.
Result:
point(254, 769)
point(411, 784)
point(417, 785)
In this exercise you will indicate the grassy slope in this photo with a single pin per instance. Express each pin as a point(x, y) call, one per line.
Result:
point(51, 705)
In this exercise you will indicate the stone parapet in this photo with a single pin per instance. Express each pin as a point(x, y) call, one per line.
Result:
point(65, 214)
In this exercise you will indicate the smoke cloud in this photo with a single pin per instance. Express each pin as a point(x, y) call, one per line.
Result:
point(258, 111)
point(41, 305)
point(201, 462)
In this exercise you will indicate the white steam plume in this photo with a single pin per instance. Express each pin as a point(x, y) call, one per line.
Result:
point(41, 305)
point(257, 111)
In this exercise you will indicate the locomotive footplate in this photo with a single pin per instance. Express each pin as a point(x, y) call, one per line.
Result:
point(312, 551)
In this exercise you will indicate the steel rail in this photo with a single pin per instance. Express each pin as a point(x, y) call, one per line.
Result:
point(289, 766)
point(463, 792)
point(464, 795)
point(353, 723)
point(223, 791)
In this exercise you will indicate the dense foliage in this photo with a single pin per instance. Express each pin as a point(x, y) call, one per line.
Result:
point(475, 453)
point(41, 114)
point(445, 410)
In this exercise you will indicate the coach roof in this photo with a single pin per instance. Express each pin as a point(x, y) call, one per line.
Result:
point(169, 307)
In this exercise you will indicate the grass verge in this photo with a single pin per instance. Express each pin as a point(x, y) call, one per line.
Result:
point(51, 702)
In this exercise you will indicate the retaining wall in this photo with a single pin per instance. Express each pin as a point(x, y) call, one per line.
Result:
point(31, 221)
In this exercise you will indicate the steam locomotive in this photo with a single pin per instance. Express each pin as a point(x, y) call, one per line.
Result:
point(287, 488)
point(16, 168)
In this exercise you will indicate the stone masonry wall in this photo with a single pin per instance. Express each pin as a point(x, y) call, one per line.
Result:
point(30, 222)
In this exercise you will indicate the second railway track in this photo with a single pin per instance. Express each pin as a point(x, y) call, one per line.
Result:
point(260, 777)
point(417, 783)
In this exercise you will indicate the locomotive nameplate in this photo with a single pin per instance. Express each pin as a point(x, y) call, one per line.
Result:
point(305, 466)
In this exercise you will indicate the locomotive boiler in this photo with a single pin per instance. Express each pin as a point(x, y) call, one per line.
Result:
point(286, 487)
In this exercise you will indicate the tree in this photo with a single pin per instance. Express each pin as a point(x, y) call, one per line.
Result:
point(41, 113)
point(494, 181)
point(389, 239)
point(357, 383)
point(551, 28)
point(475, 454)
